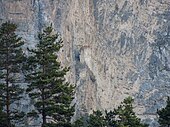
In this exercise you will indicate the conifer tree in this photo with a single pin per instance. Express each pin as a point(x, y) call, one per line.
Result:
point(52, 96)
point(2, 117)
point(124, 116)
point(11, 57)
point(164, 115)
point(79, 122)
point(96, 119)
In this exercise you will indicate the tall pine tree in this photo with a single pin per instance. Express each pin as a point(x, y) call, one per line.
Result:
point(11, 57)
point(52, 96)
point(164, 115)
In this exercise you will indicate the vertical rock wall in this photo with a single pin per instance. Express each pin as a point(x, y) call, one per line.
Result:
point(115, 48)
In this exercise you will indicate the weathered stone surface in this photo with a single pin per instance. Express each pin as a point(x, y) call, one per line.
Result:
point(115, 48)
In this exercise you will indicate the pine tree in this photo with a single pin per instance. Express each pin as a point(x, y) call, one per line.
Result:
point(11, 57)
point(96, 119)
point(124, 116)
point(52, 96)
point(79, 122)
point(2, 117)
point(164, 115)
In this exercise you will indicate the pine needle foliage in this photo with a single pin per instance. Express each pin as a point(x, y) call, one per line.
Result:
point(51, 94)
point(123, 116)
point(11, 57)
point(2, 118)
point(96, 119)
point(164, 115)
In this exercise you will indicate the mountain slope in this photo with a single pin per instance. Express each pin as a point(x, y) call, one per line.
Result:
point(115, 48)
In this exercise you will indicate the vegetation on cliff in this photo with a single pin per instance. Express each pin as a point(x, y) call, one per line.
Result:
point(47, 88)
point(123, 116)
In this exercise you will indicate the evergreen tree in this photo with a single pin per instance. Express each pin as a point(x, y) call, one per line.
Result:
point(124, 116)
point(52, 96)
point(110, 118)
point(2, 118)
point(96, 119)
point(11, 57)
point(79, 122)
point(164, 115)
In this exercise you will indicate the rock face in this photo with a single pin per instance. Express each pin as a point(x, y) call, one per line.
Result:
point(115, 48)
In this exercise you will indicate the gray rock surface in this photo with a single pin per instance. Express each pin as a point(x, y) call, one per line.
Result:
point(115, 48)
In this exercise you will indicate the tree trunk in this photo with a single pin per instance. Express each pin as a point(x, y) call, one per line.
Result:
point(7, 101)
point(43, 100)
point(43, 110)
point(7, 90)
point(44, 118)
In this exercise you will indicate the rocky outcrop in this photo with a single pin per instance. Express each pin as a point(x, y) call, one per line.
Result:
point(115, 48)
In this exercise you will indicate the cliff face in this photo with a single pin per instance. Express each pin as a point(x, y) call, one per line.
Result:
point(115, 48)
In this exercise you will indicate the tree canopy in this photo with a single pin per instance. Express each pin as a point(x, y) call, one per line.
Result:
point(51, 94)
point(123, 116)
point(164, 115)
point(11, 60)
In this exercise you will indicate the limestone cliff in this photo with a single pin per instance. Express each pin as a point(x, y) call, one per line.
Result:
point(115, 48)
